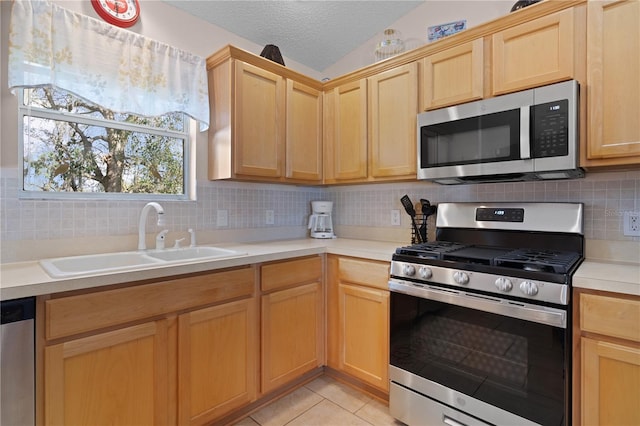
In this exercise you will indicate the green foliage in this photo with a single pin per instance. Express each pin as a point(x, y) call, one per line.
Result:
point(64, 153)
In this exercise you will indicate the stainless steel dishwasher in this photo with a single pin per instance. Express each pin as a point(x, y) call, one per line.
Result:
point(17, 362)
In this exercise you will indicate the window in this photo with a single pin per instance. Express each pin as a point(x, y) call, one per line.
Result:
point(74, 148)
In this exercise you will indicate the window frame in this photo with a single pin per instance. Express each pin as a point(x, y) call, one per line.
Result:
point(188, 161)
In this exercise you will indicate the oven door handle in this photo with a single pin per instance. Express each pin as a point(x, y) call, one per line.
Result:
point(451, 422)
point(525, 311)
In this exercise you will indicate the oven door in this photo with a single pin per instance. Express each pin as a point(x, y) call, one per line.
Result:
point(500, 361)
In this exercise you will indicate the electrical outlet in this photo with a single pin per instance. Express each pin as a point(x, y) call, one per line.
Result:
point(395, 217)
point(223, 218)
point(631, 224)
point(269, 217)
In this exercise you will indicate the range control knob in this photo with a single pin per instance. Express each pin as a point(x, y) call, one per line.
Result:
point(529, 288)
point(461, 277)
point(408, 270)
point(425, 272)
point(504, 284)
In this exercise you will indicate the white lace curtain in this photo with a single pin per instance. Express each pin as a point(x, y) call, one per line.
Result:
point(114, 68)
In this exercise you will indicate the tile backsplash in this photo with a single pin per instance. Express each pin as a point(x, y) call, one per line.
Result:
point(606, 197)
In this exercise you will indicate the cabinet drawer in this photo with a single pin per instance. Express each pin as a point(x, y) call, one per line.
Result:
point(364, 272)
point(71, 315)
point(610, 316)
point(283, 274)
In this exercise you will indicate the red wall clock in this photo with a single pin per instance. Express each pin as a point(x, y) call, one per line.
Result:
point(123, 13)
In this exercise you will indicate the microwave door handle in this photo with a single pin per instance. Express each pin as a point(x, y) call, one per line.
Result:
point(525, 132)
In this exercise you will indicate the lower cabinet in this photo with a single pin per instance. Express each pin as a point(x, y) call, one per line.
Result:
point(116, 377)
point(217, 361)
point(608, 366)
point(292, 320)
point(179, 351)
point(358, 319)
point(194, 350)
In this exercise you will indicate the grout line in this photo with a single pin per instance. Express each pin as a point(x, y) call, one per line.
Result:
point(305, 411)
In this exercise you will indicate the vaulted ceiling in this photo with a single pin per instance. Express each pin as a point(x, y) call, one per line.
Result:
point(315, 33)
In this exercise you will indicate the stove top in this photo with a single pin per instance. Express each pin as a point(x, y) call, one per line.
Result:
point(535, 260)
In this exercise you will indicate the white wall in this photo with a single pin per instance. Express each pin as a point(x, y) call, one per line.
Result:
point(413, 27)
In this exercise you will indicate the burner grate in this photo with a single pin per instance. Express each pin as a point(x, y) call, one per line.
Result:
point(430, 250)
point(538, 260)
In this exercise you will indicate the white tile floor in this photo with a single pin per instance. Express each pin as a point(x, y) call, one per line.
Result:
point(323, 402)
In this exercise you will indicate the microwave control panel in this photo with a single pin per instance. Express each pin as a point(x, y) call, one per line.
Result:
point(550, 124)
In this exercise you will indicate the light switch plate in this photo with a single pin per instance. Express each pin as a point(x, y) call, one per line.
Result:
point(395, 217)
point(269, 217)
point(223, 218)
point(631, 224)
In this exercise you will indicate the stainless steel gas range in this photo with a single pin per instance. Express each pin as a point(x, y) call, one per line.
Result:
point(481, 318)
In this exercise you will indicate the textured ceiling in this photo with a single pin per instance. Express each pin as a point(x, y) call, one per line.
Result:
point(314, 33)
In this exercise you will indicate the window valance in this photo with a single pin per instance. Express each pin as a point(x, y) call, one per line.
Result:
point(114, 68)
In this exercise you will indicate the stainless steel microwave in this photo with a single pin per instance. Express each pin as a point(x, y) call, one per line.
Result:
point(527, 135)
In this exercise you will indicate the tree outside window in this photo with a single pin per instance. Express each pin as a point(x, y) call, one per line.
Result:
point(72, 146)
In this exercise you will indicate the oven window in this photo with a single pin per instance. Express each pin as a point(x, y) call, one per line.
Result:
point(516, 365)
point(483, 139)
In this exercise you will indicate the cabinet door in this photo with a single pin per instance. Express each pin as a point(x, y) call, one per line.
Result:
point(304, 133)
point(217, 361)
point(349, 160)
point(364, 334)
point(392, 108)
point(117, 377)
point(453, 76)
point(534, 53)
point(258, 122)
point(610, 383)
point(613, 79)
point(292, 334)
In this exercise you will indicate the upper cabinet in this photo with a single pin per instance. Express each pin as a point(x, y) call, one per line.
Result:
point(534, 53)
point(392, 111)
point(259, 122)
point(370, 127)
point(346, 132)
point(269, 123)
point(303, 156)
point(266, 121)
point(453, 76)
point(613, 80)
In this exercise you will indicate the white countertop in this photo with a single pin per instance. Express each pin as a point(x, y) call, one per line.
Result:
point(608, 276)
point(24, 279)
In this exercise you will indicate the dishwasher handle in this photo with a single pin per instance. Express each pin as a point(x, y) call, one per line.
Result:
point(17, 310)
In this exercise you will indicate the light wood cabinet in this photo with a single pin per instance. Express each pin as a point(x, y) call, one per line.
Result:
point(358, 320)
point(370, 127)
point(292, 320)
point(453, 76)
point(266, 120)
point(347, 133)
point(392, 110)
point(181, 350)
point(535, 53)
point(613, 80)
point(217, 356)
point(258, 122)
point(364, 333)
point(607, 362)
point(116, 377)
point(304, 133)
